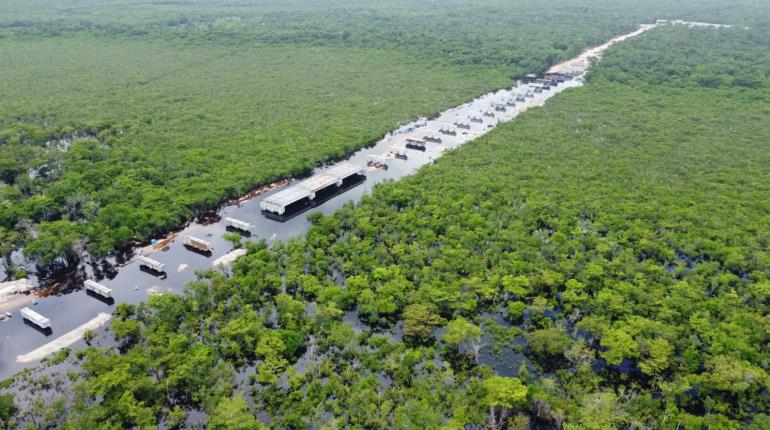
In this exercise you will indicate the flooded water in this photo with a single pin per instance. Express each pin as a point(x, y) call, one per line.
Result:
point(73, 307)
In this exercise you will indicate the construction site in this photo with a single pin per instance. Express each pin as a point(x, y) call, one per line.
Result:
point(271, 214)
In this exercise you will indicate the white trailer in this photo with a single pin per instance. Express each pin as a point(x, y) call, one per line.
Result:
point(97, 288)
point(152, 264)
point(35, 318)
point(237, 224)
point(199, 244)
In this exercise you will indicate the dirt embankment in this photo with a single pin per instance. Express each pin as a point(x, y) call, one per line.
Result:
point(13, 294)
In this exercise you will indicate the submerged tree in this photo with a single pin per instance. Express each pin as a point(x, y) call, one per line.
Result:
point(7, 410)
point(503, 396)
point(461, 333)
point(232, 413)
point(420, 322)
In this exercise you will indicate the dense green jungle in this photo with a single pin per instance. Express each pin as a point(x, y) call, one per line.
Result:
point(600, 262)
point(118, 118)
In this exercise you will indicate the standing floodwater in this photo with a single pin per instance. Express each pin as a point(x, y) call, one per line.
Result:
point(169, 268)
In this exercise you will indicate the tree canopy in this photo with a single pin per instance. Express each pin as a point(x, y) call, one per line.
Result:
point(601, 262)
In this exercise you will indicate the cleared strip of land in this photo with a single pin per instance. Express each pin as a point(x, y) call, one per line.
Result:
point(12, 294)
point(64, 340)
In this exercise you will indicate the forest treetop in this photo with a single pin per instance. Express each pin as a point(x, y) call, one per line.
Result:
point(601, 262)
point(262, 89)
